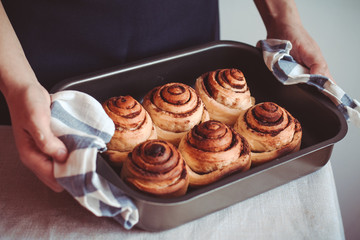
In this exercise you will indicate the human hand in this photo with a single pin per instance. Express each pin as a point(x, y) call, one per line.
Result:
point(305, 50)
point(282, 21)
point(38, 147)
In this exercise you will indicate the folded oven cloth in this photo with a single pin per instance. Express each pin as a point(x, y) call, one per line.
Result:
point(277, 57)
point(81, 123)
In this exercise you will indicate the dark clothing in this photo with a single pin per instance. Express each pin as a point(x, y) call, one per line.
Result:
point(62, 39)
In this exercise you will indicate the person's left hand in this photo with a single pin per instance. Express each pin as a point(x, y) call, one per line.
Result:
point(305, 50)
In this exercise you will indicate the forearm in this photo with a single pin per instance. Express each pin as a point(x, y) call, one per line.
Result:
point(15, 71)
point(278, 14)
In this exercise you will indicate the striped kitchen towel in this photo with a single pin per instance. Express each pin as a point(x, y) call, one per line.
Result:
point(277, 57)
point(81, 123)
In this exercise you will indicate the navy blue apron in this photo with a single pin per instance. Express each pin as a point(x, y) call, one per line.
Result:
point(66, 38)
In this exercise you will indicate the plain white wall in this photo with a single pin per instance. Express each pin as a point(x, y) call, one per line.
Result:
point(334, 25)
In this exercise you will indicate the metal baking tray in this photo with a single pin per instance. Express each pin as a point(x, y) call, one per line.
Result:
point(322, 124)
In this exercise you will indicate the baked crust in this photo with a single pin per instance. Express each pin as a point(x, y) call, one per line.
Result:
point(175, 108)
point(271, 131)
point(225, 94)
point(156, 167)
point(133, 125)
point(213, 150)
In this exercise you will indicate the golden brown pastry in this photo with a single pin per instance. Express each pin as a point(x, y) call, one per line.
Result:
point(225, 94)
point(133, 125)
point(212, 150)
point(156, 167)
point(270, 130)
point(174, 108)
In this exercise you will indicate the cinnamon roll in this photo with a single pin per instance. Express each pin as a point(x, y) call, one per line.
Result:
point(156, 167)
point(175, 108)
point(270, 130)
point(133, 125)
point(225, 94)
point(213, 150)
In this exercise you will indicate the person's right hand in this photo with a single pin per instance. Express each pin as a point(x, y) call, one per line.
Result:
point(37, 146)
point(304, 48)
point(282, 21)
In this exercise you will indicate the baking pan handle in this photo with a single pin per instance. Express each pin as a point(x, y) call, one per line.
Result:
point(81, 123)
point(128, 216)
point(276, 54)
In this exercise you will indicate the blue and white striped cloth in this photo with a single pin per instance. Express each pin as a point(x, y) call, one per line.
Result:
point(277, 57)
point(81, 123)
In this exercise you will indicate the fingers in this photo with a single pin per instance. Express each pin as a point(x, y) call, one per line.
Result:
point(320, 69)
point(39, 163)
point(304, 49)
point(45, 173)
point(46, 141)
point(49, 144)
point(308, 53)
point(52, 184)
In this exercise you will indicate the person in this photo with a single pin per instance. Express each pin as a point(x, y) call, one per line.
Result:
point(45, 42)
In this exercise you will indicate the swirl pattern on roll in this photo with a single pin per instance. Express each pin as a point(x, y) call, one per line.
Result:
point(213, 150)
point(225, 93)
point(270, 130)
point(174, 108)
point(156, 167)
point(133, 125)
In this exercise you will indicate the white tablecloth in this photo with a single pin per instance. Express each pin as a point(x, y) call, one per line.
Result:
point(306, 208)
